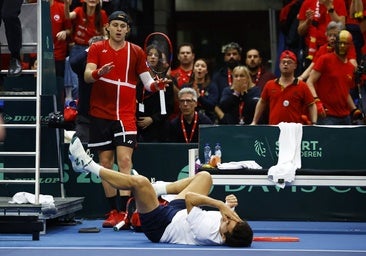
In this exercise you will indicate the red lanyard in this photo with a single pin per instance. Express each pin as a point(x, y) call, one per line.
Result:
point(193, 127)
point(258, 76)
point(229, 77)
point(241, 107)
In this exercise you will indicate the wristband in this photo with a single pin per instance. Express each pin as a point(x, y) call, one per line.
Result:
point(153, 87)
point(358, 15)
point(95, 74)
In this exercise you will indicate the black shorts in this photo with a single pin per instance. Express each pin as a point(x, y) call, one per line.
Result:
point(108, 134)
point(154, 223)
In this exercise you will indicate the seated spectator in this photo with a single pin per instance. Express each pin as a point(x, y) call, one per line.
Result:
point(184, 128)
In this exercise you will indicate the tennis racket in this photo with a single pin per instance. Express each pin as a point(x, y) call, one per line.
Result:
point(159, 44)
point(276, 239)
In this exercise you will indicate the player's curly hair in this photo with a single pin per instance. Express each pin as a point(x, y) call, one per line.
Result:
point(241, 235)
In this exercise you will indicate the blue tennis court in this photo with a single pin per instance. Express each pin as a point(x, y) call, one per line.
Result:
point(316, 238)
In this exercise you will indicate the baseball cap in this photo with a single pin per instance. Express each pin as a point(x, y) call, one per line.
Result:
point(288, 54)
point(119, 15)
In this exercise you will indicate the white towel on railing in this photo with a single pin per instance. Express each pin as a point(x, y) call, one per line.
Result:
point(25, 198)
point(248, 164)
point(289, 155)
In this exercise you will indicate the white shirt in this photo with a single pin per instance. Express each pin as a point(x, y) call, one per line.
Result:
point(199, 227)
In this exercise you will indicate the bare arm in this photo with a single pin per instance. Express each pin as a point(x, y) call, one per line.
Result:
point(92, 74)
point(303, 27)
point(194, 199)
point(68, 14)
point(305, 75)
point(259, 109)
point(350, 102)
point(313, 78)
point(90, 67)
point(220, 114)
point(313, 113)
point(333, 15)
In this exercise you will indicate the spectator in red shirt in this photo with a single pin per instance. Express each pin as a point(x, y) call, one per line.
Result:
point(182, 74)
point(330, 82)
point(286, 96)
point(314, 16)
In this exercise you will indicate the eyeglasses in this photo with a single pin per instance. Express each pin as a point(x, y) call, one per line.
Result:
point(186, 101)
point(288, 62)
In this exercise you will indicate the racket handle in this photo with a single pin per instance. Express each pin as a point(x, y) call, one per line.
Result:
point(119, 225)
point(162, 102)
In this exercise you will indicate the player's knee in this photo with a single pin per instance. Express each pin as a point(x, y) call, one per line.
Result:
point(140, 181)
point(205, 175)
point(124, 163)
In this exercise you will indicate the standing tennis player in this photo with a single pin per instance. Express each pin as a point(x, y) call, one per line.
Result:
point(114, 67)
point(182, 221)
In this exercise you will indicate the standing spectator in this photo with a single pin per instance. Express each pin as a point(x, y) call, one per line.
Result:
point(182, 74)
point(10, 10)
point(207, 94)
point(232, 57)
point(330, 82)
point(61, 30)
point(238, 102)
point(258, 73)
point(114, 67)
point(286, 96)
point(2, 128)
point(288, 24)
point(88, 21)
point(355, 16)
point(314, 17)
point(184, 128)
point(152, 125)
point(111, 6)
point(186, 60)
point(333, 29)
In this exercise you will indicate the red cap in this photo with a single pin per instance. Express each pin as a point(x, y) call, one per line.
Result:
point(288, 54)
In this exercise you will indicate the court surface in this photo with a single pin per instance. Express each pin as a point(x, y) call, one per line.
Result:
point(316, 238)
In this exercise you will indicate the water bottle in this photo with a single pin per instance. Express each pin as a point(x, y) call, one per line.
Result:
point(207, 153)
point(197, 164)
point(218, 152)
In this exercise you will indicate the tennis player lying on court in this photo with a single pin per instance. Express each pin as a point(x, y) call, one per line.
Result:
point(182, 221)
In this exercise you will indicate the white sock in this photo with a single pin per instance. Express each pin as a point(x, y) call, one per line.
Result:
point(160, 188)
point(93, 167)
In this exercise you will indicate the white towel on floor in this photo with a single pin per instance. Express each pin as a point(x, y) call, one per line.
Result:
point(289, 155)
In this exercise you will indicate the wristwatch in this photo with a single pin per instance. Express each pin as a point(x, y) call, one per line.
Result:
point(331, 10)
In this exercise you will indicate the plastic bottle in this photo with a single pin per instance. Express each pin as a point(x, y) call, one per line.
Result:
point(207, 153)
point(197, 164)
point(218, 152)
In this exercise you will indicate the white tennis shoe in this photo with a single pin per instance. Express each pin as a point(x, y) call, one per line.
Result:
point(77, 155)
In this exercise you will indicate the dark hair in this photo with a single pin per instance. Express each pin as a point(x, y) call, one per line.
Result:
point(98, 17)
point(186, 44)
point(241, 235)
